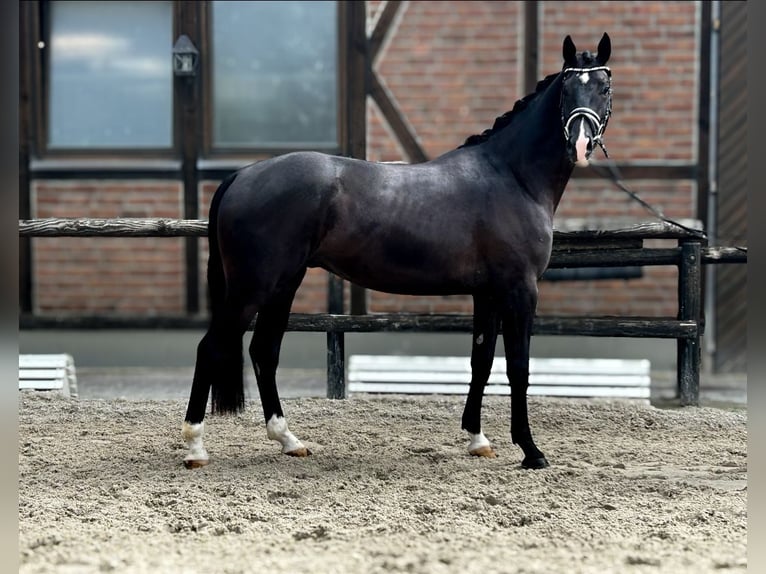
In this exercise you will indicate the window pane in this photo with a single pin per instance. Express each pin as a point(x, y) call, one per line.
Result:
point(274, 74)
point(111, 82)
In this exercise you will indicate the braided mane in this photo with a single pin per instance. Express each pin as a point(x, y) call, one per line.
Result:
point(507, 117)
point(584, 59)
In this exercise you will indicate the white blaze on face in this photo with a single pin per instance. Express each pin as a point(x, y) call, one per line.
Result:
point(584, 78)
point(276, 429)
point(581, 145)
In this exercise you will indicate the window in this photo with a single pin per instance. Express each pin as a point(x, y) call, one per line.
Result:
point(110, 76)
point(274, 74)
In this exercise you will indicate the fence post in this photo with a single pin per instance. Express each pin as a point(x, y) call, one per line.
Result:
point(689, 308)
point(336, 353)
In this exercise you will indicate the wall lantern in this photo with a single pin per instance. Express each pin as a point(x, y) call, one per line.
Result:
point(185, 57)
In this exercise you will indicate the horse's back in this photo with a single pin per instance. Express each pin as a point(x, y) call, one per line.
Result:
point(263, 182)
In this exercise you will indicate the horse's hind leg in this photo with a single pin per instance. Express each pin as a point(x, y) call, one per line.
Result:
point(219, 358)
point(517, 318)
point(485, 327)
point(193, 427)
point(270, 327)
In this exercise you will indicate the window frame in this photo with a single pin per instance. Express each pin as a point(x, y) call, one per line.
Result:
point(165, 162)
point(208, 151)
point(40, 17)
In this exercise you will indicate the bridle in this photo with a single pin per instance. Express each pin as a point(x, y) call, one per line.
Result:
point(597, 122)
point(599, 126)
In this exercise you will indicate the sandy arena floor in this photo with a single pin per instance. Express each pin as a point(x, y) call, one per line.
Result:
point(390, 488)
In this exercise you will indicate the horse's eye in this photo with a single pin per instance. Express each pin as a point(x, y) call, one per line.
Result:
point(605, 90)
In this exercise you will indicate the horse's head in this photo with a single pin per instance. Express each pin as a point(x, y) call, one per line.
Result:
point(586, 98)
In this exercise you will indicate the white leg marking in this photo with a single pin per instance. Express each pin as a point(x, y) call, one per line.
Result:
point(480, 446)
point(477, 441)
point(581, 145)
point(192, 435)
point(276, 429)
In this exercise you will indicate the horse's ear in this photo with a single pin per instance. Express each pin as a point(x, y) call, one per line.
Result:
point(569, 51)
point(604, 49)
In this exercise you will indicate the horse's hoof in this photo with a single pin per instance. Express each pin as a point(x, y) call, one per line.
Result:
point(196, 463)
point(484, 451)
point(299, 452)
point(535, 463)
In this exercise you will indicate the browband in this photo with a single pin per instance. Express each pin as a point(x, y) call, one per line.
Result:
point(606, 69)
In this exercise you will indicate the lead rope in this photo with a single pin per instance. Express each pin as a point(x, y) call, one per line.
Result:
point(617, 180)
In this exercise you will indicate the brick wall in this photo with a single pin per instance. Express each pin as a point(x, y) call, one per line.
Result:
point(654, 69)
point(452, 67)
point(105, 275)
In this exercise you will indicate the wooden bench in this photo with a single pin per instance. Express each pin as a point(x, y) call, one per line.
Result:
point(48, 373)
point(596, 378)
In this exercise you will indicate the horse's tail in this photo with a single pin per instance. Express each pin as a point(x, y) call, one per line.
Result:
point(216, 281)
point(227, 384)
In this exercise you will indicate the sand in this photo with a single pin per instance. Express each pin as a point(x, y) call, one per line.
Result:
point(389, 488)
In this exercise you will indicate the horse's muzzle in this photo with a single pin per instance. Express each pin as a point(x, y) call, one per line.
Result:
point(580, 143)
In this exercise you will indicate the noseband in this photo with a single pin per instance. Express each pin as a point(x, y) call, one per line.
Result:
point(597, 123)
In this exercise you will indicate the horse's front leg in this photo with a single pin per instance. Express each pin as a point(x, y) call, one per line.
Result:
point(517, 319)
point(485, 326)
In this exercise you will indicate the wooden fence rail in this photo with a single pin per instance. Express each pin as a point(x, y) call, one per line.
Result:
point(580, 248)
point(163, 227)
point(563, 240)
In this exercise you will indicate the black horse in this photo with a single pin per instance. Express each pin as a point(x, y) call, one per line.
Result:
point(477, 220)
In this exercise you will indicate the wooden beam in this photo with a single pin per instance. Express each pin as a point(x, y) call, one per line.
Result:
point(614, 258)
point(380, 93)
point(393, 116)
point(355, 53)
point(127, 227)
point(597, 326)
point(531, 36)
point(703, 111)
point(187, 94)
point(660, 327)
point(689, 309)
point(382, 28)
point(145, 168)
point(633, 170)
point(713, 255)
point(25, 134)
point(354, 72)
point(165, 227)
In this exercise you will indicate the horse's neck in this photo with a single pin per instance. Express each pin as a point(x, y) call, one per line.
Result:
point(534, 149)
